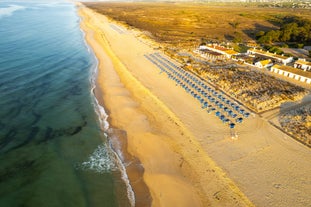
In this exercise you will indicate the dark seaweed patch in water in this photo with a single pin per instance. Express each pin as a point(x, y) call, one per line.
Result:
point(8, 138)
point(37, 117)
point(14, 111)
point(16, 168)
point(33, 133)
point(75, 90)
point(48, 134)
point(77, 130)
point(51, 133)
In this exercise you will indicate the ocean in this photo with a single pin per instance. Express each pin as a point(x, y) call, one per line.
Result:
point(53, 149)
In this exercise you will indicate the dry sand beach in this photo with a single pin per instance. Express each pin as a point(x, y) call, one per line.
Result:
point(188, 156)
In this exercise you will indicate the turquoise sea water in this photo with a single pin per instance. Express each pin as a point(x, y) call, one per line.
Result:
point(53, 151)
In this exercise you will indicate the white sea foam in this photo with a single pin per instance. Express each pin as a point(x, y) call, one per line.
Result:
point(8, 11)
point(103, 117)
point(115, 155)
point(129, 189)
point(117, 159)
point(100, 160)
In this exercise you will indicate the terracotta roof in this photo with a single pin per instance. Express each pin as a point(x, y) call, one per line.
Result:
point(290, 69)
point(220, 48)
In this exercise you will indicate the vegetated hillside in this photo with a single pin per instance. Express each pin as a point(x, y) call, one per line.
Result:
point(292, 29)
point(185, 23)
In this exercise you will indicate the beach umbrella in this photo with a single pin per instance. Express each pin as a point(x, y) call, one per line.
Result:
point(231, 125)
point(239, 120)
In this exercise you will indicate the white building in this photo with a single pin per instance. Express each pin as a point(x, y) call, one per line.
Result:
point(264, 63)
point(299, 75)
point(219, 49)
point(279, 58)
point(303, 64)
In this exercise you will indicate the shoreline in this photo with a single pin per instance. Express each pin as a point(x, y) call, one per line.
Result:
point(117, 139)
point(184, 174)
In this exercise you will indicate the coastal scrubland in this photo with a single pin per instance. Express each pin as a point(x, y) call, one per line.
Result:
point(298, 122)
point(188, 24)
point(255, 89)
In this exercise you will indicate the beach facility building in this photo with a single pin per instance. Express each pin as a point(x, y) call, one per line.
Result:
point(219, 49)
point(264, 63)
point(291, 72)
point(210, 55)
point(277, 58)
point(303, 64)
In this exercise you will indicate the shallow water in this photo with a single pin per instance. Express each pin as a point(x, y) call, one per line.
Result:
point(52, 149)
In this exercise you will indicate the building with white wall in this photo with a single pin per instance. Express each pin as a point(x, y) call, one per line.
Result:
point(278, 58)
point(291, 72)
point(303, 64)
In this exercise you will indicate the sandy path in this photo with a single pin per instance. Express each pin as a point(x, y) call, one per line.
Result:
point(177, 173)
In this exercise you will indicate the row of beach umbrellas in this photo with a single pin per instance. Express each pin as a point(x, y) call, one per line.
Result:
point(211, 100)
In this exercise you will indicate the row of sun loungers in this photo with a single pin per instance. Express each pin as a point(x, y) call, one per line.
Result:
point(116, 28)
point(211, 100)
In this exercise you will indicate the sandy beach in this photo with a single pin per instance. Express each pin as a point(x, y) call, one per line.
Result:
point(187, 155)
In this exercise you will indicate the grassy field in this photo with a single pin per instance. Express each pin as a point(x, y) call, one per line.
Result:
point(189, 24)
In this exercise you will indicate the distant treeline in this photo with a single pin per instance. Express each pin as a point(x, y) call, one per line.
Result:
point(292, 30)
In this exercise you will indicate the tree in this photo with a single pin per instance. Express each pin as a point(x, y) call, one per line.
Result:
point(293, 29)
point(260, 34)
point(264, 39)
point(273, 35)
point(288, 31)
